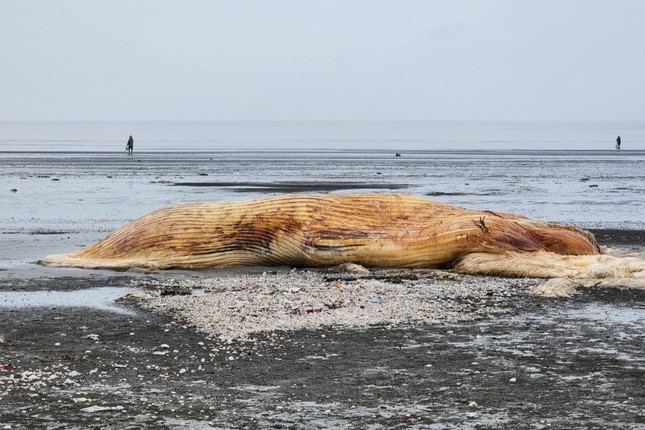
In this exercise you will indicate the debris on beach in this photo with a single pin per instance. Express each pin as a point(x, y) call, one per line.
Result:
point(565, 287)
point(237, 306)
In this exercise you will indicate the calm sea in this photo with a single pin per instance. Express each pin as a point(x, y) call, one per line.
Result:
point(334, 136)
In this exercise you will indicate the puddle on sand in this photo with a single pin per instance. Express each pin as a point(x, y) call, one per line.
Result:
point(95, 298)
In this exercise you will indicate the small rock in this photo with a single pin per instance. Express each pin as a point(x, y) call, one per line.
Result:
point(137, 296)
point(350, 268)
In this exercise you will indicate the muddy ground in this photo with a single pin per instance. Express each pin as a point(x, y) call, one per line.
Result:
point(546, 363)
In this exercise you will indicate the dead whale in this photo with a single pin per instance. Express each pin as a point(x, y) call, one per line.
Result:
point(372, 230)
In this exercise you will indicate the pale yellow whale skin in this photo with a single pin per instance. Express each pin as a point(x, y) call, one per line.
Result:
point(373, 230)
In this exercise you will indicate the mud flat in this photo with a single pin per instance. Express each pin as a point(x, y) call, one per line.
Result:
point(422, 349)
point(480, 353)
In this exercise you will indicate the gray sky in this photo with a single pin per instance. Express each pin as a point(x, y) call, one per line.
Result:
point(322, 60)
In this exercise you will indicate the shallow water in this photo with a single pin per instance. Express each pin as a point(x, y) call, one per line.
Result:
point(93, 191)
point(95, 298)
point(330, 135)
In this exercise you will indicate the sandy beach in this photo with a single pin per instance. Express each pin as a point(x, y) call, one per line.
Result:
point(281, 347)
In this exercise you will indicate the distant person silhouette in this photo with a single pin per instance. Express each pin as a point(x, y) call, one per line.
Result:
point(130, 145)
point(618, 142)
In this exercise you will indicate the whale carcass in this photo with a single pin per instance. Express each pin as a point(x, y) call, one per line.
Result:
point(373, 230)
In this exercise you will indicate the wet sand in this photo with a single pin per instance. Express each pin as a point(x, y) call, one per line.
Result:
point(573, 363)
point(494, 356)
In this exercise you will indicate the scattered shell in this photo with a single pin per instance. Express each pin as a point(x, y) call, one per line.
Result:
point(80, 399)
point(98, 408)
point(238, 305)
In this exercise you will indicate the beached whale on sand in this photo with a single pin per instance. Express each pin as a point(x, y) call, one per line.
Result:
point(373, 230)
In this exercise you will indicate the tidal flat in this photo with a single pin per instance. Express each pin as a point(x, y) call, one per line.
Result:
point(475, 352)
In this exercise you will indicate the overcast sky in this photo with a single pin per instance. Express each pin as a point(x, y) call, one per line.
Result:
point(322, 60)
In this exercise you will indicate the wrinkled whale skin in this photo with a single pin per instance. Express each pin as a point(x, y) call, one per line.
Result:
point(373, 230)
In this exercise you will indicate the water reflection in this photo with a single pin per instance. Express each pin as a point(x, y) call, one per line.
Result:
point(95, 298)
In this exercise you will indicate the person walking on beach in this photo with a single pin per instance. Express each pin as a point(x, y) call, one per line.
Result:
point(130, 145)
point(618, 142)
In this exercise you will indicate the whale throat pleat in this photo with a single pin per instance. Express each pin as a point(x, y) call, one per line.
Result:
point(376, 230)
